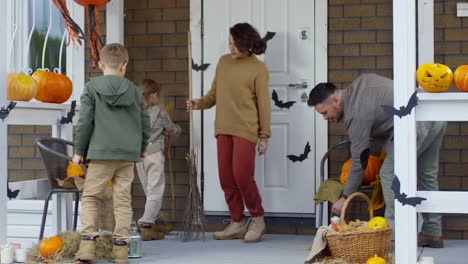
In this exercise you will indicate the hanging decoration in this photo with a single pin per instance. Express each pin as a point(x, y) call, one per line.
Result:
point(280, 103)
point(11, 194)
point(70, 114)
point(5, 111)
point(403, 197)
point(404, 110)
point(75, 33)
point(269, 35)
point(301, 157)
point(197, 67)
point(93, 27)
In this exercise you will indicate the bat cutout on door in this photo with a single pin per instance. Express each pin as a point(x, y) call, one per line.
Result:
point(301, 157)
point(4, 112)
point(70, 114)
point(280, 103)
point(404, 110)
point(197, 67)
point(269, 35)
point(403, 197)
point(11, 194)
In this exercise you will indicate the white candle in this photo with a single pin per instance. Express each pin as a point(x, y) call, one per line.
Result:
point(21, 254)
point(7, 255)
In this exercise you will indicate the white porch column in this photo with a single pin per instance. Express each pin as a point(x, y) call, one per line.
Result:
point(115, 22)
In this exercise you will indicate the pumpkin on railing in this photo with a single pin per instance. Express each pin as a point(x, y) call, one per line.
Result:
point(20, 87)
point(461, 78)
point(434, 77)
point(52, 87)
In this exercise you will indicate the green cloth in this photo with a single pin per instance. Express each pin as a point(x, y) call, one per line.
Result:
point(330, 190)
point(113, 124)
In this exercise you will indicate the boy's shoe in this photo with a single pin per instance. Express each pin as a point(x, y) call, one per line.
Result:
point(87, 250)
point(120, 252)
point(232, 231)
point(163, 227)
point(149, 232)
point(430, 241)
point(256, 229)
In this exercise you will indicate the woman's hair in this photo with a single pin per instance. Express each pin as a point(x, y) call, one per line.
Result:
point(148, 88)
point(247, 39)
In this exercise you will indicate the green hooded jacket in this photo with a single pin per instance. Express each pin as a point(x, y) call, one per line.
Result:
point(113, 124)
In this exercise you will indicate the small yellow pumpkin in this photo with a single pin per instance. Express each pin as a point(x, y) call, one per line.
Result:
point(377, 223)
point(74, 170)
point(434, 77)
point(20, 87)
point(50, 246)
point(376, 260)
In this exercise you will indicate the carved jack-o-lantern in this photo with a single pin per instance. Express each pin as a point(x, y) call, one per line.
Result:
point(434, 77)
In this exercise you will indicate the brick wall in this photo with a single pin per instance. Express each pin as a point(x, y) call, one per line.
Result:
point(156, 37)
point(360, 40)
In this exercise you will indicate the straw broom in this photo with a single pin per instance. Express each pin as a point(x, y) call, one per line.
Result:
point(194, 220)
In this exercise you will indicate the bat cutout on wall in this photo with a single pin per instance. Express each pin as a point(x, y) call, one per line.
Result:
point(197, 67)
point(402, 197)
point(11, 194)
point(70, 114)
point(4, 112)
point(404, 110)
point(269, 35)
point(301, 157)
point(280, 103)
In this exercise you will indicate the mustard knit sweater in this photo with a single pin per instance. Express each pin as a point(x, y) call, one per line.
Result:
point(241, 94)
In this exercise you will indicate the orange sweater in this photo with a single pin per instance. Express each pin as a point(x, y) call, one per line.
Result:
point(241, 93)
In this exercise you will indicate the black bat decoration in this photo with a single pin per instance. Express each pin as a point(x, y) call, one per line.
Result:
point(202, 67)
point(404, 110)
point(280, 103)
point(402, 197)
point(4, 112)
point(70, 114)
point(301, 157)
point(269, 35)
point(11, 194)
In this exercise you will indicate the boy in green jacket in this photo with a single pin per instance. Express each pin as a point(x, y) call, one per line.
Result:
point(113, 129)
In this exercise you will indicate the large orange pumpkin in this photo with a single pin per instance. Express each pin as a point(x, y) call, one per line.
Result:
point(434, 77)
point(52, 87)
point(50, 246)
point(20, 87)
point(372, 170)
point(461, 78)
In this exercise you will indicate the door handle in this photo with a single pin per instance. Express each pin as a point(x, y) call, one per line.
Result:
point(301, 85)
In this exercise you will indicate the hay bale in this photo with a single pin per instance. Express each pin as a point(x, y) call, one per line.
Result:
point(71, 244)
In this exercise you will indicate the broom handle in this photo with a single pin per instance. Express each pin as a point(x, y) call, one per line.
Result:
point(189, 36)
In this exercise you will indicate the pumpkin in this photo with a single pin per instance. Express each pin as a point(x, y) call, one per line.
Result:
point(377, 223)
point(461, 78)
point(434, 77)
point(20, 87)
point(50, 246)
point(74, 170)
point(371, 173)
point(52, 87)
point(376, 260)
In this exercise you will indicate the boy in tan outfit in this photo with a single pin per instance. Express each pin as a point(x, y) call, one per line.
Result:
point(113, 129)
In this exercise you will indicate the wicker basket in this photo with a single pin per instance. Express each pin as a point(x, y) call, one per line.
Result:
point(357, 246)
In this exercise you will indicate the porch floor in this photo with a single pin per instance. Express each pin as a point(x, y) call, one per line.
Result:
point(274, 249)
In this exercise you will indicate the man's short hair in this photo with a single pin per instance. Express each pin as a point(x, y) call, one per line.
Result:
point(320, 93)
point(113, 55)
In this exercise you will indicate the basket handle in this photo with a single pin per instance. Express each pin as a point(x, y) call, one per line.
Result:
point(348, 200)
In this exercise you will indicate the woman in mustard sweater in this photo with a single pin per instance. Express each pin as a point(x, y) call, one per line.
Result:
point(241, 94)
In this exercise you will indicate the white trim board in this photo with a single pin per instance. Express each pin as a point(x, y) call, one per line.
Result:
point(462, 9)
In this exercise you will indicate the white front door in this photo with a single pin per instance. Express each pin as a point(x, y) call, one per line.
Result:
point(285, 186)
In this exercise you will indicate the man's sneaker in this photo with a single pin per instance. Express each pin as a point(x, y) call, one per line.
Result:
point(232, 231)
point(256, 229)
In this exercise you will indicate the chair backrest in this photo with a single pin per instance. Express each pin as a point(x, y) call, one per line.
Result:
point(54, 153)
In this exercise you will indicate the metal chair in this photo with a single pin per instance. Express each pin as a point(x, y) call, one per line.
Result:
point(54, 153)
point(343, 146)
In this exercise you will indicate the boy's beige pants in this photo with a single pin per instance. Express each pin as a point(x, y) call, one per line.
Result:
point(151, 173)
point(100, 172)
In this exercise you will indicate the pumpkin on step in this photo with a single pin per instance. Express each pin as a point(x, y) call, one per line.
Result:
point(52, 87)
point(20, 87)
point(461, 78)
point(434, 77)
point(50, 246)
